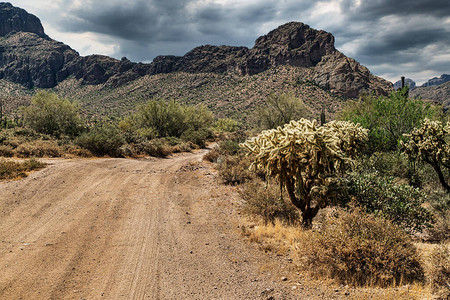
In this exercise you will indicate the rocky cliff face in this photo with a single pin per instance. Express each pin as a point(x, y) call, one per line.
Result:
point(14, 19)
point(439, 93)
point(437, 81)
point(29, 57)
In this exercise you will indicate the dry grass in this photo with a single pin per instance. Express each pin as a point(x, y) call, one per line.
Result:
point(38, 148)
point(439, 271)
point(12, 170)
point(265, 200)
point(291, 241)
point(353, 248)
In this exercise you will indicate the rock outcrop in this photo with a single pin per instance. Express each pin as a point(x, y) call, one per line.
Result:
point(14, 19)
point(439, 93)
point(437, 81)
point(29, 57)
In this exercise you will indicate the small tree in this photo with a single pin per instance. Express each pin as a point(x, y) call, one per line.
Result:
point(279, 110)
point(429, 143)
point(387, 118)
point(51, 115)
point(160, 118)
point(308, 159)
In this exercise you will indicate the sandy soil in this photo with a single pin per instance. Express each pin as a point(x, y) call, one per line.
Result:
point(138, 229)
point(127, 229)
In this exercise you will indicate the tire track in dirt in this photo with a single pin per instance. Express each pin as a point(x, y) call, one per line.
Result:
point(124, 229)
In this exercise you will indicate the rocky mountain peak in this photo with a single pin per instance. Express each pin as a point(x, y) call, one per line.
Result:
point(29, 57)
point(296, 38)
point(14, 19)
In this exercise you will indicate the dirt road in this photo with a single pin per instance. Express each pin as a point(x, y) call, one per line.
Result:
point(128, 229)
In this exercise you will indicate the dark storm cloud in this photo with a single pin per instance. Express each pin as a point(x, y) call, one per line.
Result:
point(386, 36)
point(180, 25)
point(416, 38)
point(140, 21)
point(370, 9)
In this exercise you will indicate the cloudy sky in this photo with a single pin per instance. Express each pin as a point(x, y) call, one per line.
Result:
point(391, 38)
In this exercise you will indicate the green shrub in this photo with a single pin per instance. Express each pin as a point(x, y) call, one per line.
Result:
point(102, 140)
point(394, 164)
point(226, 125)
point(49, 114)
point(197, 137)
point(361, 249)
point(158, 118)
point(280, 109)
point(439, 273)
point(400, 203)
point(264, 200)
point(387, 118)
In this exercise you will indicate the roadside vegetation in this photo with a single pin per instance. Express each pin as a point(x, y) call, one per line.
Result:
point(54, 127)
point(371, 185)
point(346, 199)
point(12, 170)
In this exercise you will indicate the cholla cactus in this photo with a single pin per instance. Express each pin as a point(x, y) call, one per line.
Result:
point(429, 143)
point(308, 159)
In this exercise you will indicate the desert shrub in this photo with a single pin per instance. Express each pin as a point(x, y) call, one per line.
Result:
point(229, 147)
point(156, 148)
point(183, 147)
point(387, 118)
point(439, 272)
point(234, 169)
point(265, 200)
point(11, 169)
point(51, 115)
point(77, 151)
point(400, 203)
point(197, 137)
point(439, 202)
point(226, 125)
point(361, 249)
point(385, 164)
point(280, 109)
point(159, 118)
point(212, 155)
point(222, 149)
point(6, 151)
point(102, 140)
point(38, 148)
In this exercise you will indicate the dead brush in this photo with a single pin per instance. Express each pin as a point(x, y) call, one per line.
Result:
point(439, 271)
point(360, 249)
point(234, 169)
point(11, 169)
point(38, 148)
point(267, 201)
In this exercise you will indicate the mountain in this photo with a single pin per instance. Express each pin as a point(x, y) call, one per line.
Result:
point(29, 57)
point(408, 81)
point(437, 81)
point(439, 93)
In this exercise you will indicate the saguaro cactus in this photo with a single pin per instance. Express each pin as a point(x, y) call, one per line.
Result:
point(307, 159)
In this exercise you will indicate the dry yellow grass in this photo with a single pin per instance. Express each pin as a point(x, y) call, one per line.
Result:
point(281, 239)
